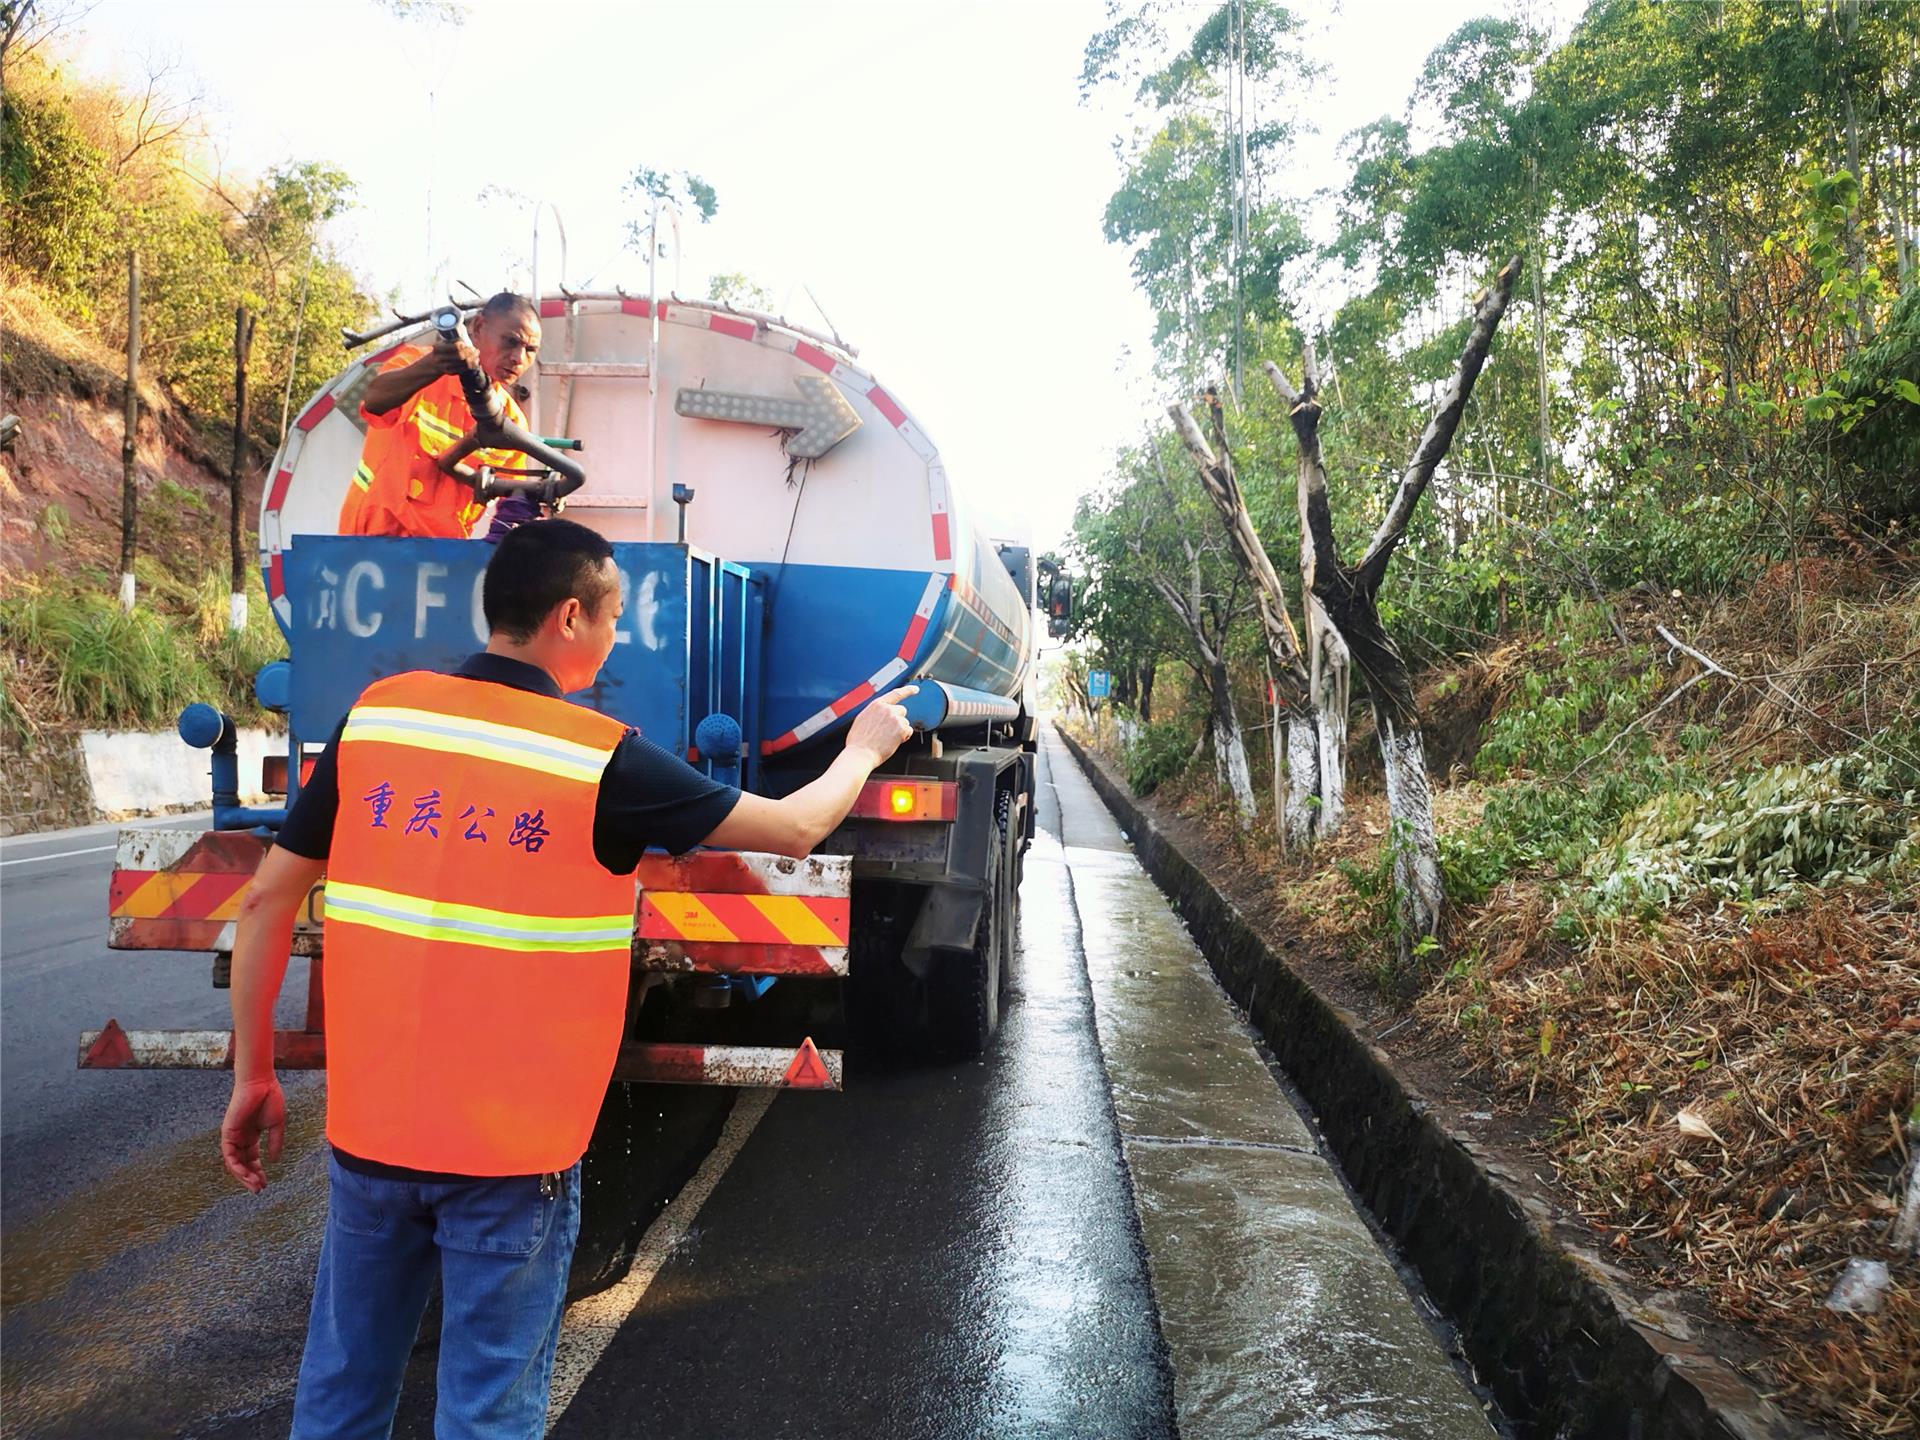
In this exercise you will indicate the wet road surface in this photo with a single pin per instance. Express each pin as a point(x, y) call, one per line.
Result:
point(940, 1251)
point(139, 1291)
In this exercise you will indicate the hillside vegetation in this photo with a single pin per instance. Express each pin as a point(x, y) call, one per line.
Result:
point(1658, 610)
point(90, 171)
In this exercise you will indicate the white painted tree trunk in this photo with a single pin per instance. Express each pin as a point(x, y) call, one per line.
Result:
point(1329, 669)
point(236, 610)
point(1303, 781)
point(1230, 751)
point(126, 590)
point(1416, 844)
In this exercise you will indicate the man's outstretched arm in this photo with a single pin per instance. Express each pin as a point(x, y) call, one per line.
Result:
point(796, 823)
point(263, 938)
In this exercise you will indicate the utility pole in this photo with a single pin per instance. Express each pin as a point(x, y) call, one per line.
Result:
point(1540, 317)
point(242, 348)
point(129, 492)
point(293, 357)
point(1237, 173)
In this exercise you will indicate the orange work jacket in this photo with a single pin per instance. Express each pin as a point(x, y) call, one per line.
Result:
point(397, 488)
point(476, 952)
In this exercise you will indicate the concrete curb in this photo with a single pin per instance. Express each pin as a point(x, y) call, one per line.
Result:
point(68, 779)
point(141, 772)
point(1568, 1345)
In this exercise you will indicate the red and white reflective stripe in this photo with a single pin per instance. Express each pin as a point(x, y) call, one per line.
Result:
point(948, 540)
point(876, 683)
point(759, 1066)
point(747, 872)
point(273, 539)
point(942, 521)
point(112, 1048)
point(856, 382)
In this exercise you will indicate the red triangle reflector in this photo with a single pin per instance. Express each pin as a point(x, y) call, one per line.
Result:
point(110, 1050)
point(808, 1071)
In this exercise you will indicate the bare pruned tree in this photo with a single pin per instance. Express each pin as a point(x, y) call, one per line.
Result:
point(1207, 616)
point(1350, 597)
point(160, 110)
point(1314, 768)
point(26, 25)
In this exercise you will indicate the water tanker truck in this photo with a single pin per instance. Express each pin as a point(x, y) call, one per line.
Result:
point(790, 544)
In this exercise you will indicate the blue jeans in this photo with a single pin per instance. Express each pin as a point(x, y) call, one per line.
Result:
point(501, 1249)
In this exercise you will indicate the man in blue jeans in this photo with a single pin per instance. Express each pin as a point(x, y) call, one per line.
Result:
point(469, 1046)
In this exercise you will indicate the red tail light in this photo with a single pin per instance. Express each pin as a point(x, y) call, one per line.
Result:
point(905, 799)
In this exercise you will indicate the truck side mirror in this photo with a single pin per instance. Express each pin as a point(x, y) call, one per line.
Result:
point(1060, 608)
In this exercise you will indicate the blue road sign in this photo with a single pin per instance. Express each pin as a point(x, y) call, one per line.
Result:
point(1099, 684)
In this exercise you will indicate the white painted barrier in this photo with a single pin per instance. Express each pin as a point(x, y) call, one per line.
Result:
point(139, 772)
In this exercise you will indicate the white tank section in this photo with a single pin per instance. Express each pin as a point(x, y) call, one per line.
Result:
point(669, 392)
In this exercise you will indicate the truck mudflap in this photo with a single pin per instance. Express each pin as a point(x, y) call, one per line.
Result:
point(717, 912)
point(749, 1066)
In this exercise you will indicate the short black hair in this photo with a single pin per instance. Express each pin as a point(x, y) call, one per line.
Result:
point(506, 303)
point(537, 566)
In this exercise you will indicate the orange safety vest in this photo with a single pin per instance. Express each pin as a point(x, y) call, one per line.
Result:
point(476, 952)
point(397, 488)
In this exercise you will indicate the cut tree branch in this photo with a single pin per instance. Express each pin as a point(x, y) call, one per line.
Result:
point(1223, 488)
point(1489, 306)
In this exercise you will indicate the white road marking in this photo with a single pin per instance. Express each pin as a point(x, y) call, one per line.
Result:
point(591, 1324)
point(57, 855)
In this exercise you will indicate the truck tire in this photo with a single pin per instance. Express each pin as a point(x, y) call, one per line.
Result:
point(963, 992)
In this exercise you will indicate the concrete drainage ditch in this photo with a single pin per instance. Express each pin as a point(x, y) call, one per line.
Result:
point(1569, 1346)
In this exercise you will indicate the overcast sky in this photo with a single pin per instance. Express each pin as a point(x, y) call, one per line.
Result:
point(926, 169)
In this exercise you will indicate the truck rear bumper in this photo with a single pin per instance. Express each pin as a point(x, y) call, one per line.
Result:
point(752, 1066)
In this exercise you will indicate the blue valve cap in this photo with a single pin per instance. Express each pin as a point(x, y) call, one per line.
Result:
point(273, 686)
point(717, 738)
point(201, 726)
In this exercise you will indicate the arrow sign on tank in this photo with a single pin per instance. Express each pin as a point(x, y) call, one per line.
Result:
point(821, 417)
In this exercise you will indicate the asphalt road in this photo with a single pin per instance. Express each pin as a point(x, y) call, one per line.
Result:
point(940, 1251)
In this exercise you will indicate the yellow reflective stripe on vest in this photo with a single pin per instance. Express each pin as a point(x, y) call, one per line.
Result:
point(400, 914)
point(427, 417)
point(483, 739)
point(436, 435)
point(363, 475)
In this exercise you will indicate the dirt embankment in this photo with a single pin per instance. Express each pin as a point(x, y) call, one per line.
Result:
point(60, 480)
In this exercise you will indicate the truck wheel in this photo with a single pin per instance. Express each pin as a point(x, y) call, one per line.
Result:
point(963, 992)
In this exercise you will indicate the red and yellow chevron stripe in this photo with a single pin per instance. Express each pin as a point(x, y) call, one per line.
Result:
point(181, 890)
point(731, 913)
point(175, 895)
point(754, 919)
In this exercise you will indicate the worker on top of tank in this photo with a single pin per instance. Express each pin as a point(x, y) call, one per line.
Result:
point(479, 835)
point(414, 412)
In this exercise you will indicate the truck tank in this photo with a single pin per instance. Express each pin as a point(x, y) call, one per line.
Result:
point(802, 467)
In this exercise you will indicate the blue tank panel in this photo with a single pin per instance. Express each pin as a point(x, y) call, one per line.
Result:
point(363, 609)
point(830, 629)
point(833, 631)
